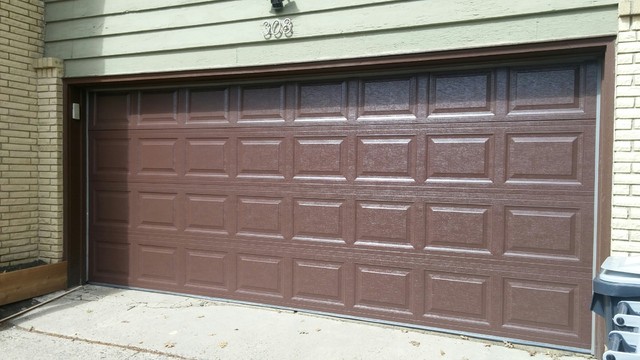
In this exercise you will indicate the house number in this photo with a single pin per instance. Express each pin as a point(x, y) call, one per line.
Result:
point(277, 28)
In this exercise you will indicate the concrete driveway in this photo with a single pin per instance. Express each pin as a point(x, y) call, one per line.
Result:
point(97, 322)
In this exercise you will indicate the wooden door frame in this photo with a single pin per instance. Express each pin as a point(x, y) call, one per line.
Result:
point(74, 131)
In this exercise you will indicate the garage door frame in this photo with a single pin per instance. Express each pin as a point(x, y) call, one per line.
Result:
point(74, 138)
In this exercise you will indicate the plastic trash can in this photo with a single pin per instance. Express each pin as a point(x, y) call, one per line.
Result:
point(618, 280)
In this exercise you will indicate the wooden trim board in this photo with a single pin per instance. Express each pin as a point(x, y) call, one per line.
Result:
point(36, 281)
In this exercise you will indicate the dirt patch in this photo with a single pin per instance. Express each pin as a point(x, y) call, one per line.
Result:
point(4, 269)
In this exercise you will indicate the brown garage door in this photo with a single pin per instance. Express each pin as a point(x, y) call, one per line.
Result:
point(460, 200)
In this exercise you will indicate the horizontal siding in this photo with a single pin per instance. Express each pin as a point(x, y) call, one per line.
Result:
point(186, 35)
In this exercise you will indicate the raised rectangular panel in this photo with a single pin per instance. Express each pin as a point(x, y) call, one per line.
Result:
point(260, 217)
point(459, 297)
point(460, 158)
point(264, 103)
point(315, 280)
point(159, 108)
point(383, 288)
point(548, 88)
point(260, 275)
point(320, 158)
point(388, 99)
point(157, 157)
point(547, 232)
point(157, 211)
point(206, 269)
point(110, 156)
point(321, 102)
point(461, 93)
point(316, 219)
point(111, 110)
point(460, 227)
point(111, 259)
point(386, 158)
point(540, 305)
point(207, 106)
point(111, 208)
point(157, 264)
point(384, 224)
point(550, 158)
point(261, 158)
point(206, 213)
point(207, 157)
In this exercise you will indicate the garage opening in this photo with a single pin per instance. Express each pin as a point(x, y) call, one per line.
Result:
point(452, 199)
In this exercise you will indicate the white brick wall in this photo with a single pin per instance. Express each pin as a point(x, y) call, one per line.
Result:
point(30, 138)
point(49, 73)
point(625, 221)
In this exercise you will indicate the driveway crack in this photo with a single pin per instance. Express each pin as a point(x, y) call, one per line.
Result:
point(104, 343)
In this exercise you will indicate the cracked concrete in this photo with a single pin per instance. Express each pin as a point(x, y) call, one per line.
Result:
point(108, 323)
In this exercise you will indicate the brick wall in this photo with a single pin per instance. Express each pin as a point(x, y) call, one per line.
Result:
point(49, 87)
point(626, 158)
point(30, 138)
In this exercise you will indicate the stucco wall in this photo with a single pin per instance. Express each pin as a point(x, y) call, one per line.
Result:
point(107, 37)
point(30, 139)
point(626, 158)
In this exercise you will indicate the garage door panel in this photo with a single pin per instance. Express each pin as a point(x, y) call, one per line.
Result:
point(157, 156)
point(113, 110)
point(544, 158)
point(470, 93)
point(322, 220)
point(260, 275)
point(208, 157)
point(554, 309)
point(458, 297)
point(159, 108)
point(321, 102)
point(460, 227)
point(321, 158)
point(547, 88)
point(386, 158)
point(319, 281)
point(111, 208)
point(207, 107)
point(544, 232)
point(551, 157)
point(110, 262)
point(262, 158)
point(262, 217)
point(208, 214)
point(386, 224)
point(208, 270)
point(389, 99)
point(454, 158)
point(111, 154)
point(460, 200)
point(157, 264)
point(539, 304)
point(384, 288)
point(260, 104)
point(157, 211)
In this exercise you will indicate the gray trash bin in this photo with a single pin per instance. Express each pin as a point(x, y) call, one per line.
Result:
point(619, 280)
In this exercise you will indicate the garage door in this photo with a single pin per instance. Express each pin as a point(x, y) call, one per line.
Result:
point(460, 200)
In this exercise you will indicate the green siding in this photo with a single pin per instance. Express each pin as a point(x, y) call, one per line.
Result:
point(105, 37)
